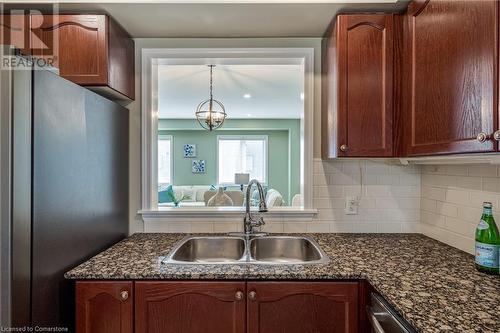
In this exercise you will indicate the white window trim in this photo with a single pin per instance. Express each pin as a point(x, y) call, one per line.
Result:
point(171, 162)
point(151, 58)
point(244, 137)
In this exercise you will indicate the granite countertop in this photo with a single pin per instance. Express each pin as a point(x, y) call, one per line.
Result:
point(435, 287)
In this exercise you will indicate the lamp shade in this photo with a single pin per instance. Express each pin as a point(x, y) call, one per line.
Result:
point(241, 178)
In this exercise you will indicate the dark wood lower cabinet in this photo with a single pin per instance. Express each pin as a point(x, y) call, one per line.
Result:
point(302, 307)
point(217, 307)
point(104, 307)
point(190, 307)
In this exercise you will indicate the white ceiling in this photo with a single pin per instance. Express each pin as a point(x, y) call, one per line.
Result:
point(275, 90)
point(223, 18)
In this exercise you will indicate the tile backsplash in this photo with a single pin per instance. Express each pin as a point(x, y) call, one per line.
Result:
point(441, 201)
point(389, 196)
point(389, 202)
point(452, 197)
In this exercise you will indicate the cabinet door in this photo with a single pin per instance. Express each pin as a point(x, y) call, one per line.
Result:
point(302, 307)
point(14, 30)
point(190, 307)
point(365, 81)
point(77, 43)
point(451, 51)
point(104, 307)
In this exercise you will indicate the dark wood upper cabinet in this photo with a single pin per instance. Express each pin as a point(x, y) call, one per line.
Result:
point(357, 104)
point(194, 307)
point(450, 76)
point(90, 50)
point(302, 307)
point(104, 307)
point(14, 30)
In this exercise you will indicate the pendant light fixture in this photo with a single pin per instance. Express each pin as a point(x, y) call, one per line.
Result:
point(211, 113)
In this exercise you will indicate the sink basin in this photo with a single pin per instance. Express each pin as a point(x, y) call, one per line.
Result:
point(208, 250)
point(277, 250)
point(286, 250)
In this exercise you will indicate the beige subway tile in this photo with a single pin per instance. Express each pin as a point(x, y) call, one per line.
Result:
point(428, 204)
point(470, 214)
point(446, 209)
point(389, 227)
point(410, 228)
point(491, 184)
point(320, 179)
point(353, 167)
point(469, 183)
point(332, 167)
point(389, 179)
point(198, 227)
point(318, 227)
point(477, 198)
point(295, 227)
point(377, 190)
point(459, 226)
point(322, 203)
point(405, 191)
point(365, 227)
point(352, 190)
point(457, 197)
point(327, 191)
point(377, 168)
point(276, 227)
point(483, 170)
point(342, 227)
point(432, 219)
point(456, 170)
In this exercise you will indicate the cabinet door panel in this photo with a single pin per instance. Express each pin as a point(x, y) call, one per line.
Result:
point(101, 307)
point(78, 43)
point(301, 307)
point(365, 46)
point(189, 307)
point(14, 30)
point(452, 75)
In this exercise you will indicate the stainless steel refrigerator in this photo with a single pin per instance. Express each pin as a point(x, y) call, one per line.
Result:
point(64, 190)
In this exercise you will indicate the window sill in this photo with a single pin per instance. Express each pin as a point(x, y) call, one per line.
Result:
point(223, 212)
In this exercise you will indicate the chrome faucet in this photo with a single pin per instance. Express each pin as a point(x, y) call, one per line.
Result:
point(250, 222)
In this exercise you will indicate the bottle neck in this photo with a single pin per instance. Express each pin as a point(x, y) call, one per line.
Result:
point(487, 211)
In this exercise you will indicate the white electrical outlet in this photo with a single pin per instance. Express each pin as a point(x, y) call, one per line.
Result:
point(351, 205)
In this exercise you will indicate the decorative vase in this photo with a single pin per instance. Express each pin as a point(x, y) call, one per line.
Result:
point(220, 199)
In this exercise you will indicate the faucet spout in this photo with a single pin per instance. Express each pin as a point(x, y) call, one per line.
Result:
point(249, 221)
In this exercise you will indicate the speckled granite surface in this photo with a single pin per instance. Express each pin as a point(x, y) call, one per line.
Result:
point(434, 286)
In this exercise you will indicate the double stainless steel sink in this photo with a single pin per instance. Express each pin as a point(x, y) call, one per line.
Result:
point(277, 250)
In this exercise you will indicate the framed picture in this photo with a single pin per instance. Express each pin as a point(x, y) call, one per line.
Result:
point(189, 150)
point(198, 166)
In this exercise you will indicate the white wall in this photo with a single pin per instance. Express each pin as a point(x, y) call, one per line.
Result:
point(452, 197)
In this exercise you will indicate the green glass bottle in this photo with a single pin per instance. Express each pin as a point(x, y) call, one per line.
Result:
point(487, 242)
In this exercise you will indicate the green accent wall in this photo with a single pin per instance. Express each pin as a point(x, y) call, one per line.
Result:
point(283, 150)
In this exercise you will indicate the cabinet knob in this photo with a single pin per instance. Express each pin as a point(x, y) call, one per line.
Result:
point(238, 295)
point(496, 135)
point(343, 148)
point(482, 137)
point(252, 295)
point(124, 295)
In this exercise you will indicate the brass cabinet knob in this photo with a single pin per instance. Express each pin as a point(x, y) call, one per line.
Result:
point(496, 135)
point(343, 148)
point(252, 295)
point(124, 295)
point(482, 137)
point(238, 295)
